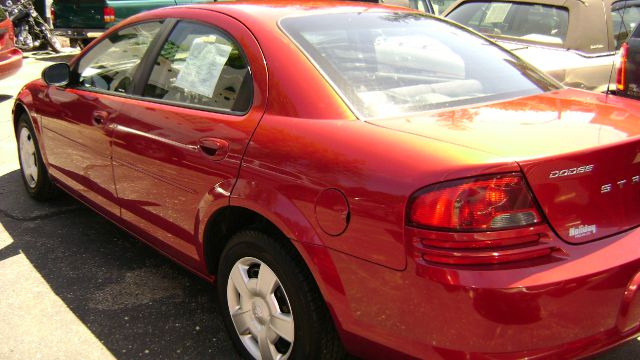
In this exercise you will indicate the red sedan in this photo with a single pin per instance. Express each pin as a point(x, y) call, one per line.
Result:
point(355, 178)
point(10, 57)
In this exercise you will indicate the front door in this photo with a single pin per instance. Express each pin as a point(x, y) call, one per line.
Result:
point(77, 124)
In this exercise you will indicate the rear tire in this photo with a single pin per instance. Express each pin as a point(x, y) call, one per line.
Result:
point(270, 303)
point(34, 172)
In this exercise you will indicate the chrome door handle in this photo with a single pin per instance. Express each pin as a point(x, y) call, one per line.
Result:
point(216, 149)
point(100, 117)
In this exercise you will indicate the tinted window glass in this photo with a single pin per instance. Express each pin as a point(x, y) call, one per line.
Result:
point(390, 64)
point(529, 22)
point(623, 20)
point(3, 16)
point(201, 66)
point(110, 65)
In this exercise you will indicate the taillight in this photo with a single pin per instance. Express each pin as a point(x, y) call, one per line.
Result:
point(53, 15)
point(483, 220)
point(109, 14)
point(621, 68)
point(478, 204)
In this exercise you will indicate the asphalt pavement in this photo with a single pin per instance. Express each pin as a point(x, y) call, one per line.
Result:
point(75, 286)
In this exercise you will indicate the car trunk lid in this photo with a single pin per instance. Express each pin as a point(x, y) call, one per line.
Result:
point(579, 151)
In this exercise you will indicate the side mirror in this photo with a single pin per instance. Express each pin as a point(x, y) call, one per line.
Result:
point(57, 74)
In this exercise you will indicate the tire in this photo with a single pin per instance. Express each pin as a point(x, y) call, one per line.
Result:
point(34, 172)
point(267, 286)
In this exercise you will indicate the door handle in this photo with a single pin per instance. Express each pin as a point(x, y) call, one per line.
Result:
point(216, 149)
point(100, 117)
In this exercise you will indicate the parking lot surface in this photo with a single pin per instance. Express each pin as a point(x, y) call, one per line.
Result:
point(75, 286)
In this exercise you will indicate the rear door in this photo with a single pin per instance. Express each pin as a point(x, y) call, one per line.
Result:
point(178, 145)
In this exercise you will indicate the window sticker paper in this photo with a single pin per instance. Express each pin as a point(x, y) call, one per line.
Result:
point(203, 66)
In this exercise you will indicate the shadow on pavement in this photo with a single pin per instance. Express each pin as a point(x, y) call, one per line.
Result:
point(4, 97)
point(134, 300)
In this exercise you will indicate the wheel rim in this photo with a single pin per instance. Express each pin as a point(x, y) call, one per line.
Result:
point(260, 310)
point(28, 157)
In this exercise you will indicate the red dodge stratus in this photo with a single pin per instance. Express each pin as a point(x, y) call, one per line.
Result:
point(355, 179)
point(10, 57)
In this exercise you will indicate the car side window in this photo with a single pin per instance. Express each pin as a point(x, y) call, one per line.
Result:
point(110, 65)
point(202, 66)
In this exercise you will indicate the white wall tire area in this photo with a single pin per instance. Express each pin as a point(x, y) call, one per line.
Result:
point(34, 173)
point(271, 306)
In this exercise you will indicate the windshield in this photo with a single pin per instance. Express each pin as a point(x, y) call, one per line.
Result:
point(392, 64)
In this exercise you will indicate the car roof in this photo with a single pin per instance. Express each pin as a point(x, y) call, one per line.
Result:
point(276, 10)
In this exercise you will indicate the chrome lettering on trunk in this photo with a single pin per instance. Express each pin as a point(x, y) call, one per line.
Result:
point(572, 171)
point(621, 184)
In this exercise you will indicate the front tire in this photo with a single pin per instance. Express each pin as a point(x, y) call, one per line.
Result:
point(34, 172)
point(271, 305)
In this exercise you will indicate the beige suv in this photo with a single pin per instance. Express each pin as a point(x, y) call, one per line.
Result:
point(574, 41)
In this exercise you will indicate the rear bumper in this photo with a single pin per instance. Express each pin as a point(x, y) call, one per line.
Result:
point(10, 62)
point(580, 301)
point(79, 33)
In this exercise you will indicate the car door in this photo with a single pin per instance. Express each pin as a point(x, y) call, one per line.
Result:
point(178, 145)
point(77, 121)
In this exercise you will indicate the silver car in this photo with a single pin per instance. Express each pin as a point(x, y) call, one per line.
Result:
point(574, 41)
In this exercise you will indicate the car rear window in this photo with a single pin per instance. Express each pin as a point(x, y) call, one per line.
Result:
point(529, 22)
point(391, 64)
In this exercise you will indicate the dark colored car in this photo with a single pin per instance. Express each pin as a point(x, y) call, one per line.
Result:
point(628, 64)
point(10, 57)
point(353, 177)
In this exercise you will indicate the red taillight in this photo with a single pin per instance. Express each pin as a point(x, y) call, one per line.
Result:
point(621, 68)
point(484, 220)
point(53, 15)
point(479, 204)
point(109, 14)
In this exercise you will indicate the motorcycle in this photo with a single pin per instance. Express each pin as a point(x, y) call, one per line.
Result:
point(31, 31)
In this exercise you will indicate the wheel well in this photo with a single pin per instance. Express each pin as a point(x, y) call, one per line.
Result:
point(228, 221)
point(18, 112)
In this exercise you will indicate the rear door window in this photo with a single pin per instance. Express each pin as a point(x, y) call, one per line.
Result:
point(201, 66)
point(529, 22)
